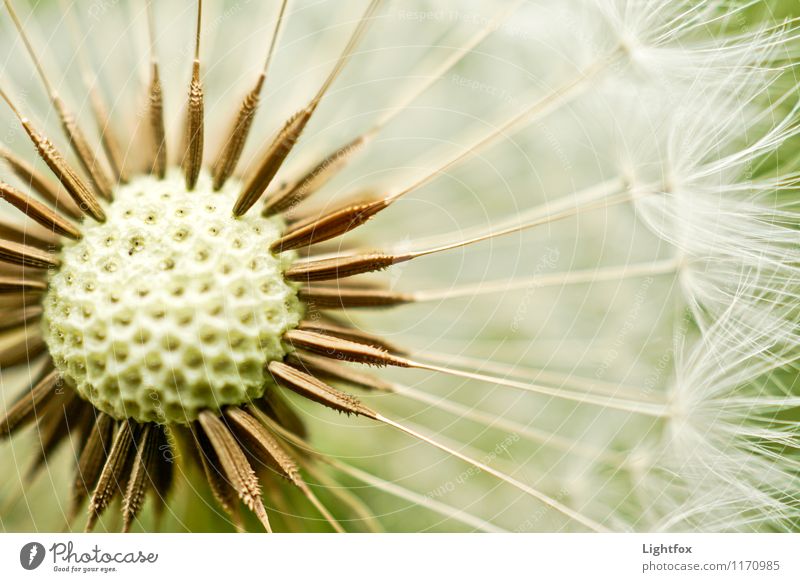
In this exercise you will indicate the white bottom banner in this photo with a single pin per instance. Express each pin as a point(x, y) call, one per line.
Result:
point(491, 557)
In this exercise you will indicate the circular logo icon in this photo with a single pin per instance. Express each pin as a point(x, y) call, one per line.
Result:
point(31, 555)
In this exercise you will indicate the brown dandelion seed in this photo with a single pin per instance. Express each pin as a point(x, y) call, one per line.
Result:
point(68, 177)
point(314, 389)
point(221, 488)
point(38, 212)
point(194, 126)
point(140, 478)
point(40, 184)
point(234, 465)
point(342, 349)
point(27, 256)
point(258, 440)
point(114, 472)
point(331, 225)
point(340, 267)
point(155, 110)
point(91, 461)
point(321, 297)
point(335, 372)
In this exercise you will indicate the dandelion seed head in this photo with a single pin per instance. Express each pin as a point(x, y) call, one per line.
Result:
point(629, 364)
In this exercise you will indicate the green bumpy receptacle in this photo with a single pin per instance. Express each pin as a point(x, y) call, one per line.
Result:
point(171, 306)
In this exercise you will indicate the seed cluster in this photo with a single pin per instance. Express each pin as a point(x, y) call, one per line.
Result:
point(172, 305)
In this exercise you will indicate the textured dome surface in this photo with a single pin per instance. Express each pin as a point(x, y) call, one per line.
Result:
point(172, 305)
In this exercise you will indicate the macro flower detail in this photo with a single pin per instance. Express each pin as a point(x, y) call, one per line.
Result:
point(579, 314)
